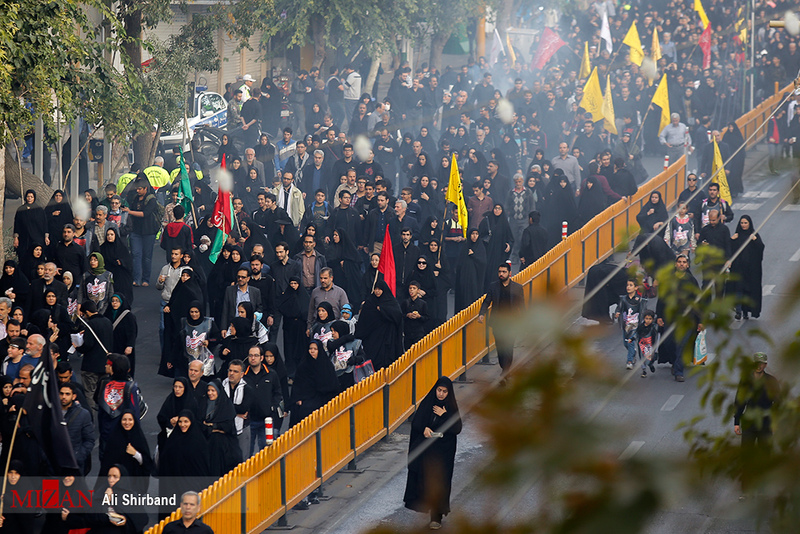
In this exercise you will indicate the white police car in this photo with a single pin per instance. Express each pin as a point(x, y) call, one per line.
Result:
point(209, 108)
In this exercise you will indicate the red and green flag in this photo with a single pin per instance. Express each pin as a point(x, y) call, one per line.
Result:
point(222, 218)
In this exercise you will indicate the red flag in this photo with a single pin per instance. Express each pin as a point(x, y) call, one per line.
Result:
point(386, 264)
point(549, 44)
point(705, 46)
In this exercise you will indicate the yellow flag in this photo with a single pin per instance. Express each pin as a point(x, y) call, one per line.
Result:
point(586, 65)
point(510, 50)
point(656, 48)
point(455, 194)
point(608, 109)
point(633, 41)
point(698, 6)
point(661, 99)
point(720, 178)
point(592, 100)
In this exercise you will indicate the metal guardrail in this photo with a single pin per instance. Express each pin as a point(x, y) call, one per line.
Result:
point(260, 491)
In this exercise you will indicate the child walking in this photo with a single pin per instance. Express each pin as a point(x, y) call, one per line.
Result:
point(630, 308)
point(646, 334)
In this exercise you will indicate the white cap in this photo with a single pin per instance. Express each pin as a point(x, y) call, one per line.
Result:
point(248, 78)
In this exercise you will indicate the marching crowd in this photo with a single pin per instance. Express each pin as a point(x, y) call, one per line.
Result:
point(301, 266)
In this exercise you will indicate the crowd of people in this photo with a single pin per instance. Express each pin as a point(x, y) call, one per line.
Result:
point(300, 267)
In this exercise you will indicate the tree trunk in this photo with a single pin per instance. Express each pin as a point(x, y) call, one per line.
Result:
point(503, 20)
point(318, 35)
point(2, 201)
point(373, 73)
point(438, 41)
point(12, 180)
point(143, 142)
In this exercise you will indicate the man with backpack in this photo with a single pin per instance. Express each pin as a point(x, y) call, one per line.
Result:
point(146, 214)
point(98, 334)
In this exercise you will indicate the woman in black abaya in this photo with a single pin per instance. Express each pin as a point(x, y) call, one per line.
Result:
point(223, 448)
point(127, 446)
point(370, 277)
point(185, 293)
point(30, 225)
point(653, 215)
point(126, 329)
point(115, 482)
point(343, 258)
point(747, 269)
point(179, 400)
point(559, 206)
point(119, 262)
point(470, 271)
point(591, 202)
point(434, 428)
point(496, 233)
point(733, 136)
point(28, 264)
point(183, 462)
point(429, 291)
point(293, 305)
point(380, 327)
point(315, 382)
point(442, 275)
point(14, 284)
point(58, 213)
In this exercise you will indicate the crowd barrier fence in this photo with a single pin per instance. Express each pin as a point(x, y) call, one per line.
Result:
point(259, 492)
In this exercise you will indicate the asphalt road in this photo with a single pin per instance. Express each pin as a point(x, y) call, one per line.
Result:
point(648, 410)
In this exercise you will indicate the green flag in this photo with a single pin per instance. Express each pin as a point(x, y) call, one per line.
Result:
point(185, 197)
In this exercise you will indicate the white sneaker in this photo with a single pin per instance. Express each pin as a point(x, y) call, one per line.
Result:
point(629, 366)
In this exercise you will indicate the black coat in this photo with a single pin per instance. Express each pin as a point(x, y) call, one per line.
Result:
point(747, 268)
point(95, 347)
point(430, 473)
point(496, 233)
point(470, 274)
point(380, 328)
point(315, 383)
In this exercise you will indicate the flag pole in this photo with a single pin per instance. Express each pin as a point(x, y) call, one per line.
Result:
point(8, 460)
point(191, 149)
point(641, 127)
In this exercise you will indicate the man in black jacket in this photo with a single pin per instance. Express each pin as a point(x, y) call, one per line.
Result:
point(69, 255)
point(534, 240)
point(241, 394)
point(79, 425)
point(98, 335)
point(267, 398)
point(506, 298)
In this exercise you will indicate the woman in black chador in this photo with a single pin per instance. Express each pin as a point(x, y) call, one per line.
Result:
point(432, 452)
point(470, 271)
point(380, 327)
point(746, 269)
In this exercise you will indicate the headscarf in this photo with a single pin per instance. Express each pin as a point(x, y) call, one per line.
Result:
point(174, 405)
point(294, 303)
point(116, 254)
point(185, 453)
point(425, 416)
point(111, 313)
point(742, 232)
point(242, 326)
point(328, 308)
point(101, 264)
point(199, 306)
point(221, 409)
point(118, 441)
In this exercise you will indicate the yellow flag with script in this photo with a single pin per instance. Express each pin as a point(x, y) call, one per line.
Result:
point(455, 194)
point(661, 99)
point(592, 100)
point(720, 177)
point(633, 41)
point(608, 109)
